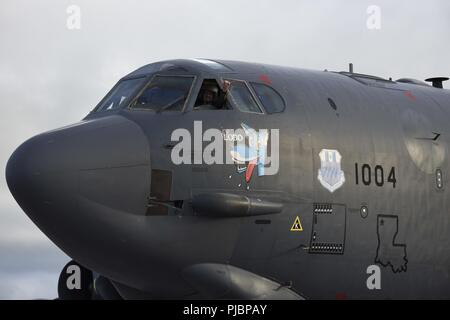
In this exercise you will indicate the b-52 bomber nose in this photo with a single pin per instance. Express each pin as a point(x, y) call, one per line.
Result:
point(79, 183)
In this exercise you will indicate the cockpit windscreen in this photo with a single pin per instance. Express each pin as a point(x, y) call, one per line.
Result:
point(165, 93)
point(120, 94)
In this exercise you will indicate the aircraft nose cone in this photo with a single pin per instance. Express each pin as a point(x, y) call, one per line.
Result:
point(16, 177)
point(38, 177)
point(82, 184)
point(22, 172)
point(15, 168)
point(49, 173)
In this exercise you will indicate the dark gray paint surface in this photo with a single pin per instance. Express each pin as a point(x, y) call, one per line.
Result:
point(87, 187)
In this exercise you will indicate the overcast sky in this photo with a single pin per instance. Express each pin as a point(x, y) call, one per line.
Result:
point(51, 75)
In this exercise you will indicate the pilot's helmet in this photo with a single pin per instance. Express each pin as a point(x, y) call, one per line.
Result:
point(212, 88)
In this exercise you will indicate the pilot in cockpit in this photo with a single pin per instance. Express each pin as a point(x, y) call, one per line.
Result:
point(208, 98)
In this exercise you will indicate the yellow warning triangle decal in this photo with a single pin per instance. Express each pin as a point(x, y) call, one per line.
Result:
point(297, 226)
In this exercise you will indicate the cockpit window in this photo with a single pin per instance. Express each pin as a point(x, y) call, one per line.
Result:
point(211, 97)
point(240, 97)
point(234, 95)
point(165, 93)
point(270, 99)
point(120, 94)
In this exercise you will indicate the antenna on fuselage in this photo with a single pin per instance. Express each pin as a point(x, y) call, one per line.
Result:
point(350, 67)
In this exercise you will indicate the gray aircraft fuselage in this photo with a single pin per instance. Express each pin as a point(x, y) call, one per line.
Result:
point(363, 164)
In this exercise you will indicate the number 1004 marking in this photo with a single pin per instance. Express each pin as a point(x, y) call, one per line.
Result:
point(366, 175)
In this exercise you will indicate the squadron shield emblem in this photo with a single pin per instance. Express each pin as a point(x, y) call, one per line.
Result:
point(330, 174)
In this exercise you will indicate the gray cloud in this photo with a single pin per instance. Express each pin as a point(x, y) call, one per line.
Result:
point(29, 262)
point(29, 285)
point(51, 76)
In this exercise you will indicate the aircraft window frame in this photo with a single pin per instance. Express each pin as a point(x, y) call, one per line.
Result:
point(273, 90)
point(186, 102)
point(130, 98)
point(255, 98)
